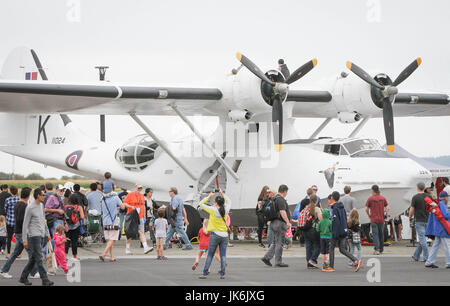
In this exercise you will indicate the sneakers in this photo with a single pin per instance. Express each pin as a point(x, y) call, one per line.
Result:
point(202, 277)
point(49, 273)
point(433, 266)
point(376, 253)
point(188, 248)
point(128, 252)
point(282, 265)
point(266, 261)
point(329, 269)
point(5, 275)
point(261, 245)
point(35, 276)
point(25, 281)
point(164, 258)
point(358, 265)
point(148, 250)
point(47, 283)
point(310, 265)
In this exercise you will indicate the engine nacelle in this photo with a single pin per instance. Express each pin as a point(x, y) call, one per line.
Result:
point(352, 96)
point(239, 115)
point(345, 117)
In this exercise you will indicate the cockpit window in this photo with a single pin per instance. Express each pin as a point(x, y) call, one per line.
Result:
point(332, 149)
point(137, 153)
point(362, 145)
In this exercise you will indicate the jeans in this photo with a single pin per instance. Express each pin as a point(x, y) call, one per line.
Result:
point(435, 249)
point(180, 230)
point(278, 228)
point(17, 251)
point(312, 243)
point(342, 248)
point(261, 225)
point(214, 242)
point(35, 246)
point(10, 231)
point(269, 236)
point(378, 236)
point(352, 250)
point(420, 230)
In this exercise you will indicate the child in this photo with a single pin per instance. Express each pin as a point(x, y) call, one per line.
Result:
point(288, 237)
point(324, 228)
point(108, 184)
point(354, 238)
point(2, 234)
point(161, 227)
point(203, 236)
point(60, 240)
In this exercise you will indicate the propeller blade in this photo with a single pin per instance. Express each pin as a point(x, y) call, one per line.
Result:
point(363, 75)
point(302, 71)
point(283, 68)
point(277, 121)
point(253, 68)
point(407, 72)
point(388, 119)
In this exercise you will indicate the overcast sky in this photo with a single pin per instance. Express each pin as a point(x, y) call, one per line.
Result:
point(196, 41)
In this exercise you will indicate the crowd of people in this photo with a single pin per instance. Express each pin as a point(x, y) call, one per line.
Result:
point(44, 221)
point(322, 229)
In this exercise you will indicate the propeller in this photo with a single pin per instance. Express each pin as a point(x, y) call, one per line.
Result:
point(276, 91)
point(383, 92)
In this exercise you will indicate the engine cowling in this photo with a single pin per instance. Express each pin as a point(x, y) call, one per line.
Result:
point(351, 96)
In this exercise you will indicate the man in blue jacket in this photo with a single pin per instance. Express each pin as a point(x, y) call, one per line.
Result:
point(435, 228)
point(339, 232)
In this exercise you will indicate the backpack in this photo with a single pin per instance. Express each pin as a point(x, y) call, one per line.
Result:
point(72, 215)
point(269, 210)
point(296, 212)
point(171, 215)
point(305, 220)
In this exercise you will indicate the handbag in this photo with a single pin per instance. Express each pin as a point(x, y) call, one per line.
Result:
point(50, 258)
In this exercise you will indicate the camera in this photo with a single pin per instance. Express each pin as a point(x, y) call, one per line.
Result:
point(111, 227)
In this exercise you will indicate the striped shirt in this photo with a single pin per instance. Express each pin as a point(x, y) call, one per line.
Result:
point(9, 209)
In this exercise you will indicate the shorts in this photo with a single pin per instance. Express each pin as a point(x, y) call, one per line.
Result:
point(324, 246)
point(203, 250)
point(160, 241)
point(111, 235)
point(141, 225)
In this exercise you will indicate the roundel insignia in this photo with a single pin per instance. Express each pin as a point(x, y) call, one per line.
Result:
point(73, 158)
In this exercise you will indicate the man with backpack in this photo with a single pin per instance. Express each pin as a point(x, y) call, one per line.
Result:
point(277, 212)
point(339, 232)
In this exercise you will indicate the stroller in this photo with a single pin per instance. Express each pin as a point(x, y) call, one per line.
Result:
point(94, 226)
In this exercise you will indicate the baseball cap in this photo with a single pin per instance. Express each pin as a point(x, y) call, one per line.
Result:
point(60, 187)
point(138, 185)
point(443, 194)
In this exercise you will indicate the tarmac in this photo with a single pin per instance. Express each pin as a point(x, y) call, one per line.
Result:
point(244, 268)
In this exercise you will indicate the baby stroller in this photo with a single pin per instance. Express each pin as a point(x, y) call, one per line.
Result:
point(94, 226)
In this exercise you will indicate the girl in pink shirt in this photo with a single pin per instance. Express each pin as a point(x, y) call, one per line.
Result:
point(60, 242)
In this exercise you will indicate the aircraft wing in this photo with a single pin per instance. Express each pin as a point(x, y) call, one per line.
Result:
point(103, 98)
